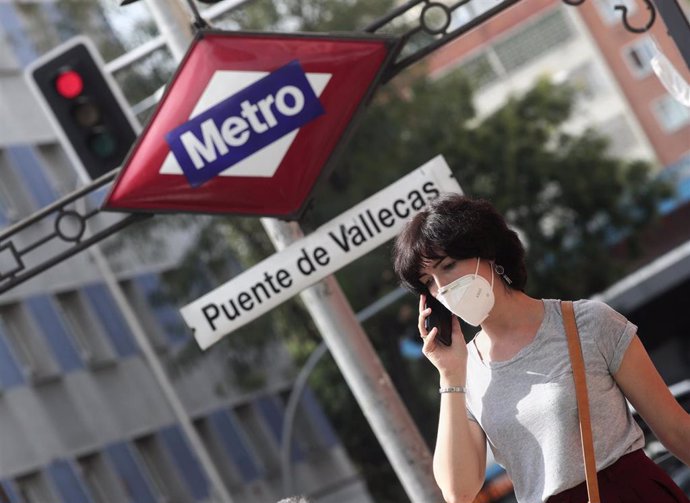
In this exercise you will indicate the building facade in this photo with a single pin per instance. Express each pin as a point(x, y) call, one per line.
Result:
point(84, 417)
point(588, 47)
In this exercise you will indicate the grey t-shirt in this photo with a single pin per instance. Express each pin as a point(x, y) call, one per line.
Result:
point(527, 408)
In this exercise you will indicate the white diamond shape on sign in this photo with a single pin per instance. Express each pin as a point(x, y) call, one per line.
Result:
point(264, 162)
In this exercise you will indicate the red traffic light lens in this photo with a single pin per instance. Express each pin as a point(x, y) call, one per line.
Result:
point(69, 84)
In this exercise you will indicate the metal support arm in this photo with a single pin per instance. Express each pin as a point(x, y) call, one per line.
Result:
point(64, 222)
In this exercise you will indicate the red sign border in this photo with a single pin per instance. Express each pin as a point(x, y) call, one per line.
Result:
point(393, 45)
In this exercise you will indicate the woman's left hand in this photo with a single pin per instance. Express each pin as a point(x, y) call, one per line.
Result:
point(451, 361)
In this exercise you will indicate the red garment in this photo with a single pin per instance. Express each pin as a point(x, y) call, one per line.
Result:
point(634, 478)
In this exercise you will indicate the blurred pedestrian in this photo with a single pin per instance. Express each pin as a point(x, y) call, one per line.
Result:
point(512, 384)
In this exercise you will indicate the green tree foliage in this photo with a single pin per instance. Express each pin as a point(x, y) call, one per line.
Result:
point(569, 197)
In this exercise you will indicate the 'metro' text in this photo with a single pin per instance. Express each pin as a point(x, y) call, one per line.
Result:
point(244, 123)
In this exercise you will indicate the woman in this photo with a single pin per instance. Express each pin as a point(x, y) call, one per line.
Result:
point(512, 384)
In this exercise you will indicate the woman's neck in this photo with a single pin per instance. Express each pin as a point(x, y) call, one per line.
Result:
point(515, 315)
point(512, 325)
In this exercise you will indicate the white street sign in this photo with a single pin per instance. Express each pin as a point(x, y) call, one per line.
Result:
point(303, 263)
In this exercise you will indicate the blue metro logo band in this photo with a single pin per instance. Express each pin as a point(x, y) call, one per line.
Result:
point(244, 123)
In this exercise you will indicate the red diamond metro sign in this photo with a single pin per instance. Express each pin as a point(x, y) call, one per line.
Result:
point(249, 122)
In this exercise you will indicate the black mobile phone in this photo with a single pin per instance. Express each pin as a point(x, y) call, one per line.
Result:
point(441, 318)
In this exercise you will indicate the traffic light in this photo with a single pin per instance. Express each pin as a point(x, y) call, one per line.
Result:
point(90, 115)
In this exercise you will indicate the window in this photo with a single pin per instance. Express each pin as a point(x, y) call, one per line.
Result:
point(260, 439)
point(10, 368)
point(535, 40)
point(169, 320)
point(311, 426)
point(166, 481)
point(67, 482)
point(8, 212)
point(14, 201)
point(481, 6)
point(86, 331)
point(98, 476)
point(638, 56)
point(34, 488)
point(611, 16)
point(671, 114)
point(7, 60)
point(314, 414)
point(273, 412)
point(304, 431)
point(28, 345)
point(53, 329)
point(111, 320)
point(222, 430)
point(29, 168)
point(129, 471)
point(218, 454)
point(479, 70)
point(466, 13)
point(140, 305)
point(8, 493)
point(63, 173)
point(185, 461)
point(460, 17)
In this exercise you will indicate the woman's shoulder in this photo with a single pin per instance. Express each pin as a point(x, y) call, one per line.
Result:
point(582, 306)
point(589, 311)
point(596, 315)
point(592, 306)
point(595, 307)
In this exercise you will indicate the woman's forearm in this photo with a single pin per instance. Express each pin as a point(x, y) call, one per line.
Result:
point(460, 453)
point(678, 443)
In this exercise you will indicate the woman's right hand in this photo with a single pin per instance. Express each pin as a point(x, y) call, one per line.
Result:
point(451, 361)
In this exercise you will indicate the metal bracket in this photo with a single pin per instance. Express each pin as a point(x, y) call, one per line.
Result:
point(624, 17)
point(64, 223)
point(624, 14)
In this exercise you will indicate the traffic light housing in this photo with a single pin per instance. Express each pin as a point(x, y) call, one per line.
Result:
point(91, 118)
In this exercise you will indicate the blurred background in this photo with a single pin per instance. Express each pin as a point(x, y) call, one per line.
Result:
point(552, 111)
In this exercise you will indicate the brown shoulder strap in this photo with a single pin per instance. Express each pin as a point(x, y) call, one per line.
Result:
point(578, 365)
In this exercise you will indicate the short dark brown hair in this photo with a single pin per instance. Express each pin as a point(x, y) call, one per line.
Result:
point(458, 227)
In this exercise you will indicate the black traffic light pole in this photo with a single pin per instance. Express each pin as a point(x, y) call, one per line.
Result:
point(423, 35)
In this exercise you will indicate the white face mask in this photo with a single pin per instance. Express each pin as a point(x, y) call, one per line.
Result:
point(470, 297)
